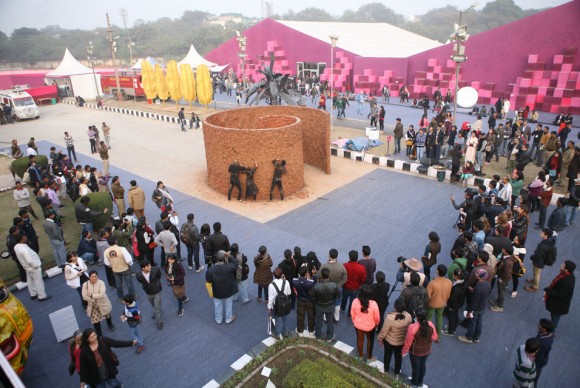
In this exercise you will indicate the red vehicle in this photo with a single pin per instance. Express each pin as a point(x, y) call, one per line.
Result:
point(130, 85)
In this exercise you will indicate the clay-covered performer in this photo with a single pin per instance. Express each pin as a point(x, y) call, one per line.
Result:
point(251, 188)
point(235, 169)
point(279, 170)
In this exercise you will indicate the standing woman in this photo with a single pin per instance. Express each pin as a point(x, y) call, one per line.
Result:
point(204, 233)
point(382, 119)
point(99, 305)
point(175, 275)
point(419, 342)
point(161, 196)
point(489, 145)
point(144, 236)
point(519, 244)
point(74, 352)
point(365, 318)
point(98, 364)
point(75, 274)
point(471, 144)
point(517, 183)
point(393, 335)
point(263, 274)
point(424, 122)
point(430, 255)
point(410, 140)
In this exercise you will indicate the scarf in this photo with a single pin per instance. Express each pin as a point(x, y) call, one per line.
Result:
point(165, 194)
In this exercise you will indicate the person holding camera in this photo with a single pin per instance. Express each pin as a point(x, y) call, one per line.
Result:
point(408, 267)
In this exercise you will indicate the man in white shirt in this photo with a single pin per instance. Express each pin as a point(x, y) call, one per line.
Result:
point(283, 286)
point(33, 267)
point(120, 261)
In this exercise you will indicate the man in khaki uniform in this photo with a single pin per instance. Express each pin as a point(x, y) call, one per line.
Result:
point(106, 133)
point(119, 194)
point(104, 153)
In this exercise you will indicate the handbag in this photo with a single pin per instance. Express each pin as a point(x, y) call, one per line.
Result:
point(178, 291)
point(518, 269)
point(135, 244)
point(152, 245)
point(209, 288)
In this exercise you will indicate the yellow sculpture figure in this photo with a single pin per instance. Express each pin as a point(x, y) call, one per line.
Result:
point(161, 84)
point(187, 83)
point(148, 80)
point(173, 84)
point(204, 87)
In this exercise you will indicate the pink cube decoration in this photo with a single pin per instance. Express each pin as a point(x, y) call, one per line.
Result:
point(432, 62)
point(429, 75)
point(558, 92)
point(475, 84)
point(533, 58)
point(567, 68)
point(558, 59)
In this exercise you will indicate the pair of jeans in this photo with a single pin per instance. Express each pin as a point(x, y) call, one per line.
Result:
point(265, 289)
point(420, 152)
point(110, 382)
point(71, 151)
point(88, 257)
point(571, 215)
point(475, 325)
point(322, 313)
point(347, 296)
point(542, 221)
point(438, 318)
point(305, 309)
point(220, 305)
point(397, 144)
point(193, 251)
point(242, 291)
point(360, 340)
point(134, 333)
point(155, 301)
point(501, 289)
point(419, 367)
point(555, 318)
point(281, 328)
point(124, 277)
point(391, 350)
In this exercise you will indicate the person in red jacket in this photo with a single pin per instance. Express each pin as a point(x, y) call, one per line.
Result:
point(356, 275)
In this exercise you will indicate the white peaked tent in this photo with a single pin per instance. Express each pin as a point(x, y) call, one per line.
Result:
point(74, 74)
point(193, 59)
point(138, 64)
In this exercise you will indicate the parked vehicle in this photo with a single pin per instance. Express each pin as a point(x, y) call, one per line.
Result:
point(22, 104)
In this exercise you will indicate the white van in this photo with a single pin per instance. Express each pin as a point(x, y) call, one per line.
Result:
point(22, 104)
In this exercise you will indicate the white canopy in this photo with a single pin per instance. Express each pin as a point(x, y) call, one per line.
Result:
point(69, 66)
point(137, 65)
point(193, 59)
point(217, 69)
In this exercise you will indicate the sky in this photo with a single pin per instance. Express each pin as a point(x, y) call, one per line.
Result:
point(90, 14)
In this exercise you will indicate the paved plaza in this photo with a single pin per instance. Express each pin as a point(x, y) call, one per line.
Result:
point(360, 205)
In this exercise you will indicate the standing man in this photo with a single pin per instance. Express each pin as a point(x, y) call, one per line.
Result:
point(326, 295)
point(25, 224)
point(92, 139)
point(279, 170)
point(55, 236)
point(369, 263)
point(120, 261)
point(280, 285)
point(525, 369)
point(558, 295)
point(222, 277)
point(118, 192)
point(303, 286)
point(22, 197)
point(136, 198)
point(439, 291)
point(398, 131)
point(104, 153)
point(70, 146)
point(217, 241)
point(337, 275)
point(107, 134)
point(85, 215)
point(182, 121)
point(150, 279)
point(477, 307)
point(538, 259)
point(355, 278)
point(33, 267)
point(191, 238)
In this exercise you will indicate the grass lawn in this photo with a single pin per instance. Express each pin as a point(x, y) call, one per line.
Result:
point(8, 269)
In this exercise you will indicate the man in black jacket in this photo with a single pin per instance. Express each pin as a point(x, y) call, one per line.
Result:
point(150, 279)
point(303, 286)
point(477, 307)
point(559, 294)
point(325, 295)
point(217, 241)
point(85, 215)
point(288, 267)
point(381, 296)
point(538, 258)
point(222, 277)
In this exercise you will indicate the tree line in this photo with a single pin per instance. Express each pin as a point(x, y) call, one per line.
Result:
point(171, 38)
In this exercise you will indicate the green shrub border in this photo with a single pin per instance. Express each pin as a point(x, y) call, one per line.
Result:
point(354, 365)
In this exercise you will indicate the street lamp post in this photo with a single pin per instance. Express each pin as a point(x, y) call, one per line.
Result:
point(113, 43)
point(333, 40)
point(91, 59)
point(459, 37)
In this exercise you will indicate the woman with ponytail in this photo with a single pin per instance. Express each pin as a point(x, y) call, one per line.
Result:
point(365, 317)
point(393, 334)
point(419, 341)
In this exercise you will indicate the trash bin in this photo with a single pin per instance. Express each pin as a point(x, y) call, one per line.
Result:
point(441, 175)
point(53, 101)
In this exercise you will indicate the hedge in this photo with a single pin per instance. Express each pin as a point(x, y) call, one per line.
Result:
point(20, 165)
point(99, 202)
point(309, 374)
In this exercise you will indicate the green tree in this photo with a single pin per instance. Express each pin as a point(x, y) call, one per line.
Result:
point(313, 14)
point(373, 13)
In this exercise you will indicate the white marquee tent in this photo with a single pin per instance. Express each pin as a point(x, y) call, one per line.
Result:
point(80, 78)
point(193, 59)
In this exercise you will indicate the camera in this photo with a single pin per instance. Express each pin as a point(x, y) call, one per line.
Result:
point(400, 259)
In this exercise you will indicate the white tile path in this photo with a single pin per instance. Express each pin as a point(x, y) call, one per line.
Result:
point(212, 384)
point(343, 347)
point(241, 362)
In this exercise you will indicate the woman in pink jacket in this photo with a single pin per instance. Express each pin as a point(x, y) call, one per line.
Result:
point(365, 317)
point(418, 344)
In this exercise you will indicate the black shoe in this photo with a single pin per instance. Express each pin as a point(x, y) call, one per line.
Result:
point(45, 299)
point(34, 297)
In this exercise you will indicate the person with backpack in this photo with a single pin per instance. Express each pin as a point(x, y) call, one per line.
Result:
point(419, 343)
point(455, 301)
point(558, 295)
point(476, 307)
point(504, 274)
point(190, 236)
point(303, 286)
point(132, 316)
point(392, 336)
point(289, 269)
point(242, 271)
point(365, 318)
point(414, 296)
point(279, 304)
point(545, 254)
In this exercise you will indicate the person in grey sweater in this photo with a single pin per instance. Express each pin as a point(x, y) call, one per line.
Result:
point(56, 238)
